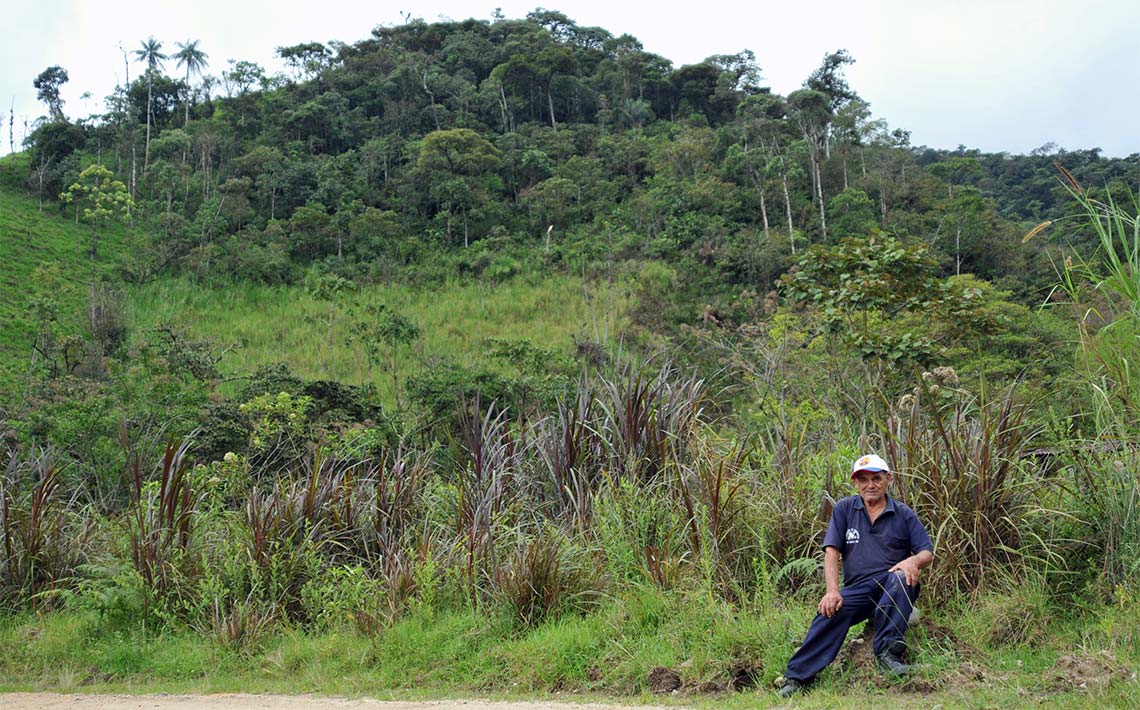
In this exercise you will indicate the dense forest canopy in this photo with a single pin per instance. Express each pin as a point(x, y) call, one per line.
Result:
point(430, 135)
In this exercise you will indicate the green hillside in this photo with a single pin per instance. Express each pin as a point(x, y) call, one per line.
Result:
point(263, 325)
point(31, 240)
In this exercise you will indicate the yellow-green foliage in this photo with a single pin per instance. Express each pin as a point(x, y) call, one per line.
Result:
point(290, 325)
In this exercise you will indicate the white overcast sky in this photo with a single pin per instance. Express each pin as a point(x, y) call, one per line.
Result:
point(999, 75)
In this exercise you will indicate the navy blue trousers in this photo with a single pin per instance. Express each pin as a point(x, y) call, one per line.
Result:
point(886, 599)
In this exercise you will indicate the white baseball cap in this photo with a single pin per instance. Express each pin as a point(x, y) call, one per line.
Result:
point(869, 462)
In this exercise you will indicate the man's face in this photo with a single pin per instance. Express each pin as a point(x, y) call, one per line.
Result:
point(872, 485)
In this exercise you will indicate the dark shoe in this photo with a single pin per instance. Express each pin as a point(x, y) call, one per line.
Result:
point(891, 662)
point(790, 687)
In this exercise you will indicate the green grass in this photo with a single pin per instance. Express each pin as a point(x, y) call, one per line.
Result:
point(30, 239)
point(604, 654)
point(287, 324)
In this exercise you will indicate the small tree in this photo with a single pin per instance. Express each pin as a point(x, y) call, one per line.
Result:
point(861, 286)
point(99, 199)
point(383, 332)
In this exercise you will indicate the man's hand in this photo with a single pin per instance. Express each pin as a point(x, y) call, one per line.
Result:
point(830, 604)
point(909, 568)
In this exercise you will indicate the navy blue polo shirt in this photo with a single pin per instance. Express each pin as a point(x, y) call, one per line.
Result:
point(873, 549)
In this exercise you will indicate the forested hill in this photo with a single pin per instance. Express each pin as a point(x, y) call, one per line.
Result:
point(485, 141)
point(1026, 187)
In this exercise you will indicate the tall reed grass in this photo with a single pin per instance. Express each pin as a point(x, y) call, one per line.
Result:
point(961, 462)
point(44, 535)
point(624, 486)
point(1105, 290)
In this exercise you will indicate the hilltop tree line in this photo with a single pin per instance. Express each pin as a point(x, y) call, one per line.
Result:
point(487, 140)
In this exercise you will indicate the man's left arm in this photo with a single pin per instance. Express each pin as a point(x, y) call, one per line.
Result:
point(912, 566)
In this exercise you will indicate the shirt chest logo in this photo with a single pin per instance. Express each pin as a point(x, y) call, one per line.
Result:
point(852, 536)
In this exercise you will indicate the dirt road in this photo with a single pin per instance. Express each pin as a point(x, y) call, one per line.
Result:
point(55, 701)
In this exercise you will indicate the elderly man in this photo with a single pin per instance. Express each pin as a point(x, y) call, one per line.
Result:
point(883, 547)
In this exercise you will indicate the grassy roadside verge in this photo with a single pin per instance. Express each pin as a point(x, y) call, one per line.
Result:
point(604, 655)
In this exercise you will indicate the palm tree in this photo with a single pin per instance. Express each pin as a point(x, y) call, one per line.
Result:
point(151, 55)
point(194, 59)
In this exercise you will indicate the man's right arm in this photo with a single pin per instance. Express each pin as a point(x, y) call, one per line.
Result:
point(832, 600)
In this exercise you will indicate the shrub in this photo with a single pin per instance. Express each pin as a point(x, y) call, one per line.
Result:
point(532, 582)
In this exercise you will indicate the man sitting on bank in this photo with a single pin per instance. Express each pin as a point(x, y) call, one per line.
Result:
point(883, 547)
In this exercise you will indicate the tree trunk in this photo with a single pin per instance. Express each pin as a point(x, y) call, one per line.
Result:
point(764, 212)
point(882, 201)
point(815, 192)
point(146, 148)
point(40, 170)
point(431, 98)
point(186, 116)
point(550, 102)
point(508, 119)
point(822, 213)
point(788, 208)
point(958, 251)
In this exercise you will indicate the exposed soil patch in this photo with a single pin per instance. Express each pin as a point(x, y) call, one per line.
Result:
point(711, 687)
point(744, 678)
point(857, 657)
point(663, 680)
point(1087, 672)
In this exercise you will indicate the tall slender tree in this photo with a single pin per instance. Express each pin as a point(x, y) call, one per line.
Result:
point(194, 59)
point(47, 86)
point(810, 110)
point(151, 55)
